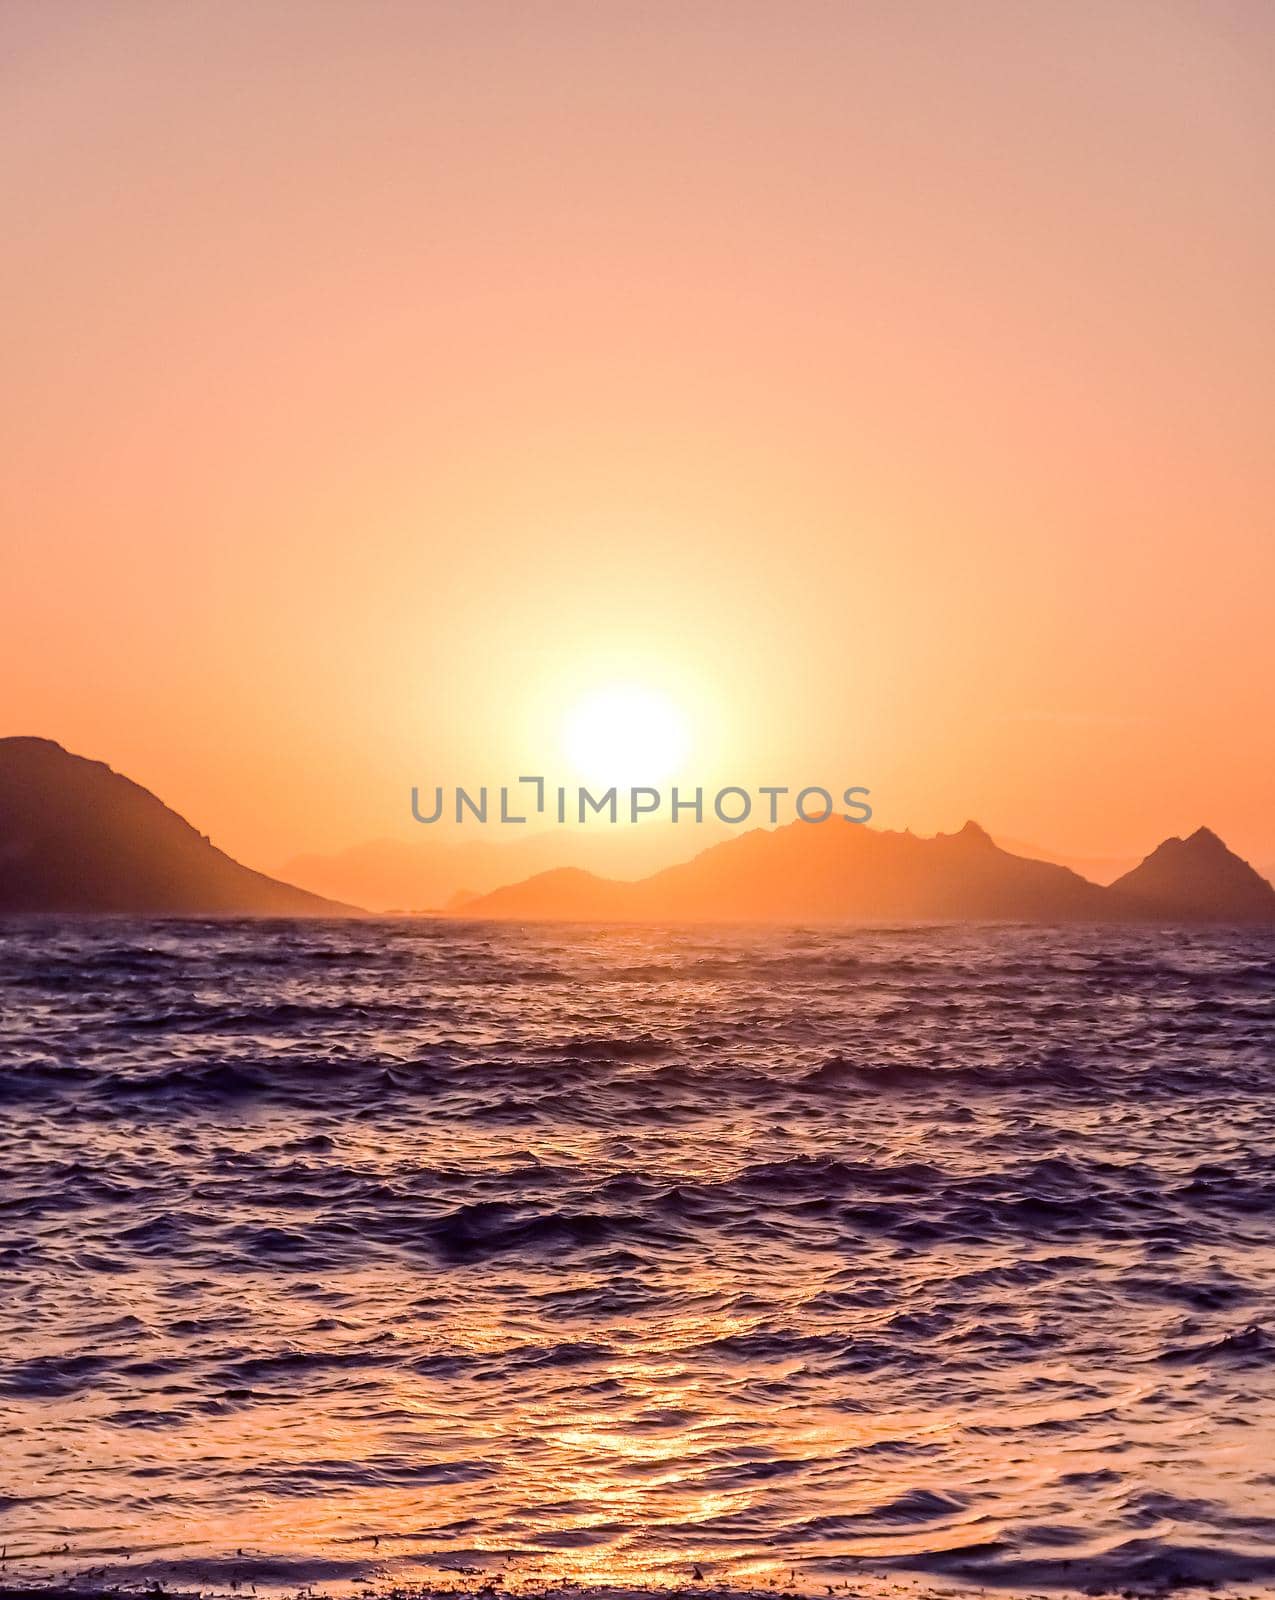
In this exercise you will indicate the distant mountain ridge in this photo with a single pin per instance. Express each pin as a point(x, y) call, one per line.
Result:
point(832, 872)
point(77, 837)
point(436, 865)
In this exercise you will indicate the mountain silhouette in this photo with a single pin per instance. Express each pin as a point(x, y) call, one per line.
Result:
point(77, 837)
point(819, 872)
point(839, 872)
point(1200, 879)
point(437, 863)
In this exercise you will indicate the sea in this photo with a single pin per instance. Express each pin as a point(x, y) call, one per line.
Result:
point(379, 1252)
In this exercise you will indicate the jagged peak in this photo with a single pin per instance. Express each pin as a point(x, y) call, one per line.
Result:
point(1202, 843)
point(1201, 878)
point(974, 833)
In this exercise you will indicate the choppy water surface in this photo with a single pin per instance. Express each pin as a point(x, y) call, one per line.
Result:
point(601, 1253)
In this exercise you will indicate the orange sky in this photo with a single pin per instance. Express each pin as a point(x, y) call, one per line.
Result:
point(890, 384)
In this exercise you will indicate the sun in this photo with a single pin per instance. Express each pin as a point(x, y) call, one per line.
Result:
point(625, 735)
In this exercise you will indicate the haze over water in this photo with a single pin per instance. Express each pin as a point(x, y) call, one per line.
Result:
point(600, 1253)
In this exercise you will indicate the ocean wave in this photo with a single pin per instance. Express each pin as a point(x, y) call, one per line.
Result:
point(380, 1249)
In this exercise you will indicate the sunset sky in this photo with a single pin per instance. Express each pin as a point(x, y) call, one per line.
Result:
point(889, 386)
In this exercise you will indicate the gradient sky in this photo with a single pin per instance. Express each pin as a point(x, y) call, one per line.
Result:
point(891, 384)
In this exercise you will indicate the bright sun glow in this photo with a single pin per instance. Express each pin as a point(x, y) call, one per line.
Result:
point(625, 735)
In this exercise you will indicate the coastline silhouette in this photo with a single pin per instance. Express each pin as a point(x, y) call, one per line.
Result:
point(826, 873)
point(77, 837)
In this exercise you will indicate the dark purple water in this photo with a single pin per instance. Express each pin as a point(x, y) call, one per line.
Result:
point(376, 1248)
